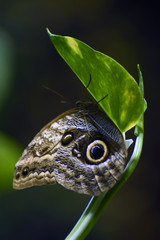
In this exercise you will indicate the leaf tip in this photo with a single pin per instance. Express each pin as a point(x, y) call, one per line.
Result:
point(49, 33)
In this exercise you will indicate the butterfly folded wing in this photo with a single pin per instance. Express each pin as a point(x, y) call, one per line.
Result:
point(81, 149)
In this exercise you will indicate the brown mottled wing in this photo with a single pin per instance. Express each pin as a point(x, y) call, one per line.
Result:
point(48, 159)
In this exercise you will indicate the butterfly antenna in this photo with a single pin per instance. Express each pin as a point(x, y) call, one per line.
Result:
point(90, 78)
point(63, 99)
point(89, 81)
point(102, 98)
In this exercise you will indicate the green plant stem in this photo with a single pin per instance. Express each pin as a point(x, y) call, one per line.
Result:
point(97, 205)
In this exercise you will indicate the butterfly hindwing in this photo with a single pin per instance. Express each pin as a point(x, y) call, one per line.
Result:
point(81, 149)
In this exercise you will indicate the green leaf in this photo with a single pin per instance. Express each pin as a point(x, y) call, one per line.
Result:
point(111, 85)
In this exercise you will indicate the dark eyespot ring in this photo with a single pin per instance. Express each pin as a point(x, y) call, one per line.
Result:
point(67, 138)
point(25, 171)
point(97, 151)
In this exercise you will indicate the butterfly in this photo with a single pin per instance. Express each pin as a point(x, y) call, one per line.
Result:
point(81, 149)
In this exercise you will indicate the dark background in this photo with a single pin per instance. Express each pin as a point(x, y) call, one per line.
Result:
point(128, 31)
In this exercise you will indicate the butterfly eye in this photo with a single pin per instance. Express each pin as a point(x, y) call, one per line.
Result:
point(67, 138)
point(25, 172)
point(97, 151)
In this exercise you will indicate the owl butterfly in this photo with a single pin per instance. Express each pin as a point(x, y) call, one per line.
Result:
point(81, 149)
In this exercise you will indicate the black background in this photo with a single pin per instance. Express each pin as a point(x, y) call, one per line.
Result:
point(128, 31)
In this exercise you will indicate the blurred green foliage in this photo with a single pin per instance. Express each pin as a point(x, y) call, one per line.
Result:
point(9, 149)
point(6, 66)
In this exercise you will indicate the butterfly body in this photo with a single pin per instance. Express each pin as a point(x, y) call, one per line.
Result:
point(81, 149)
